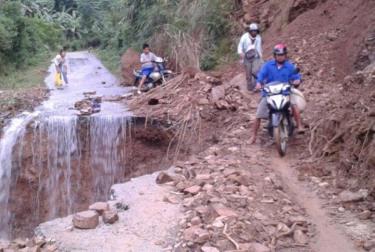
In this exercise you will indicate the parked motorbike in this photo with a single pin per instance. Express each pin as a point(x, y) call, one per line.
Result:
point(159, 76)
point(281, 124)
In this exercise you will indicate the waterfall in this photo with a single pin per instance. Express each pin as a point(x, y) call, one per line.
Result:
point(107, 153)
point(73, 161)
point(11, 136)
point(55, 139)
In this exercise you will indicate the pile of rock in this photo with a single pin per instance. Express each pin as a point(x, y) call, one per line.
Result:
point(90, 105)
point(90, 219)
point(35, 244)
point(233, 203)
point(191, 94)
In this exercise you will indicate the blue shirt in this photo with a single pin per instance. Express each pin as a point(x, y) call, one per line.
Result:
point(270, 72)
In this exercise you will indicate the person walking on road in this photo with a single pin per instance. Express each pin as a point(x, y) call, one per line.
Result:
point(61, 69)
point(251, 54)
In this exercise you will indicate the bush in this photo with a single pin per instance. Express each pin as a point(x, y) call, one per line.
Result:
point(22, 38)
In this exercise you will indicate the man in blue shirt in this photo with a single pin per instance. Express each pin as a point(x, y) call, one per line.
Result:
point(279, 70)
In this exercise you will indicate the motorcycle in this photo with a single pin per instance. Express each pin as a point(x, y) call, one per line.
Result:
point(159, 76)
point(281, 124)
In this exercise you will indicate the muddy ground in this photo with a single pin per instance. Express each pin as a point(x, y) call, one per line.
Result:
point(14, 102)
point(242, 197)
point(327, 172)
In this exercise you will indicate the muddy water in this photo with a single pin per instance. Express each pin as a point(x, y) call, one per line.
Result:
point(52, 161)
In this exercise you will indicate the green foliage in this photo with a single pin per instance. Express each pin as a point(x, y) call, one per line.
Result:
point(27, 77)
point(191, 32)
point(23, 37)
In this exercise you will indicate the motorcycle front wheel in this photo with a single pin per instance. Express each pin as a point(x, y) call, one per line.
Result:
point(280, 135)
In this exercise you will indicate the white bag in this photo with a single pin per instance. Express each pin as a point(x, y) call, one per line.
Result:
point(298, 98)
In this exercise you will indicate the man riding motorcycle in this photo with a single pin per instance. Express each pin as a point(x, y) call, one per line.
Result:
point(277, 70)
point(147, 60)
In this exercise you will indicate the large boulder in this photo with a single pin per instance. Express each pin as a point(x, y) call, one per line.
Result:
point(163, 178)
point(99, 207)
point(130, 60)
point(86, 220)
point(110, 217)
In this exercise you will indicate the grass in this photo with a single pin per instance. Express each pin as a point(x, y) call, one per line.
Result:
point(111, 60)
point(31, 76)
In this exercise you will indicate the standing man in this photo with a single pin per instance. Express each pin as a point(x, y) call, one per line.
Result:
point(250, 51)
point(147, 60)
point(280, 69)
point(61, 68)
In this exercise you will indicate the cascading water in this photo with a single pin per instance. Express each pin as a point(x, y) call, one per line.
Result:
point(11, 136)
point(53, 162)
point(57, 138)
point(74, 160)
point(107, 154)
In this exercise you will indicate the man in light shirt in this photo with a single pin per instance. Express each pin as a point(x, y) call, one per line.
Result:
point(147, 60)
point(61, 66)
point(250, 51)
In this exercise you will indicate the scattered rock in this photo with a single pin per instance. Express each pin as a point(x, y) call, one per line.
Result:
point(39, 241)
point(163, 178)
point(34, 249)
point(203, 177)
point(193, 190)
point(254, 247)
point(239, 81)
point(203, 101)
point(332, 36)
point(224, 211)
point(348, 196)
point(257, 215)
point(299, 237)
point(171, 199)
point(365, 215)
point(88, 105)
point(218, 224)
point(110, 217)
point(297, 219)
point(196, 221)
point(99, 207)
point(86, 220)
point(369, 244)
point(209, 249)
point(276, 182)
point(203, 210)
point(50, 248)
point(196, 234)
point(20, 243)
point(324, 184)
point(283, 228)
point(217, 93)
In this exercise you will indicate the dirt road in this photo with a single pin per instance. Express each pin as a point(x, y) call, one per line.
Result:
point(329, 235)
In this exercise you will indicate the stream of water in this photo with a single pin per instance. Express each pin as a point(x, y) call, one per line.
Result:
point(51, 147)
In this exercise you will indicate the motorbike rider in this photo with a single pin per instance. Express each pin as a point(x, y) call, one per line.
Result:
point(280, 69)
point(250, 51)
point(147, 59)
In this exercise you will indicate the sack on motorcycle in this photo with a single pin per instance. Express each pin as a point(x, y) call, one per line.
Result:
point(298, 99)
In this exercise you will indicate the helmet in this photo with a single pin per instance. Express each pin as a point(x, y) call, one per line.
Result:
point(253, 27)
point(280, 49)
